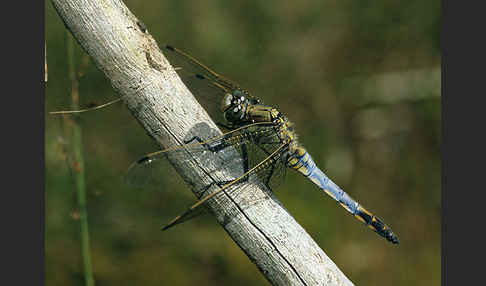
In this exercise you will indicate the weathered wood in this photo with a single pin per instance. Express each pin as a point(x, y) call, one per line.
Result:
point(130, 58)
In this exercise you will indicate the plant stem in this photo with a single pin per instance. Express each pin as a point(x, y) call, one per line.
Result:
point(78, 165)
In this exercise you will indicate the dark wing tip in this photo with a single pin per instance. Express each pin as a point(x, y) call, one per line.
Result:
point(171, 224)
point(143, 159)
point(170, 48)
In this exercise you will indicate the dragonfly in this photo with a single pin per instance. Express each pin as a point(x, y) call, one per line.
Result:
point(265, 139)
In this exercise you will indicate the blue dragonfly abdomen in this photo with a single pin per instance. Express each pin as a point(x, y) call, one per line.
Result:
point(302, 162)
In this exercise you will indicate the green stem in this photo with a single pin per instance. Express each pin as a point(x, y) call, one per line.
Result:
point(78, 166)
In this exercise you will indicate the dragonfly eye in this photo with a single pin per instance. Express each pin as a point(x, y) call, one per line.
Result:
point(227, 102)
point(235, 114)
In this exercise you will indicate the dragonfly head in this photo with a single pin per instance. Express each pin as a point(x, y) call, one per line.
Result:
point(234, 106)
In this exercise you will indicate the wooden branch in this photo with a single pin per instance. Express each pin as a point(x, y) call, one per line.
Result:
point(124, 50)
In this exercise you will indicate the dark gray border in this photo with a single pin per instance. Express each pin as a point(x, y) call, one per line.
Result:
point(463, 127)
point(23, 94)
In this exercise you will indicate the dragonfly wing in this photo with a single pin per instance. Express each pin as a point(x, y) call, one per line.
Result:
point(205, 84)
point(260, 170)
point(274, 175)
point(187, 215)
point(213, 154)
point(141, 173)
point(147, 170)
point(186, 61)
point(206, 92)
point(245, 153)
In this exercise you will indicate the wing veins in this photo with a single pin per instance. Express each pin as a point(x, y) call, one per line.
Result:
point(200, 202)
point(215, 76)
point(175, 148)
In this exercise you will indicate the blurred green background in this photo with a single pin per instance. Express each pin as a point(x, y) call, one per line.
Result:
point(361, 81)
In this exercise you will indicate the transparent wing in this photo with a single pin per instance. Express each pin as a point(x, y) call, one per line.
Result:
point(205, 84)
point(261, 147)
point(252, 144)
point(144, 172)
point(190, 63)
point(261, 170)
point(253, 151)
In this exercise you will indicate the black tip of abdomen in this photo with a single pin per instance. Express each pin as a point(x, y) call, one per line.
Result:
point(394, 239)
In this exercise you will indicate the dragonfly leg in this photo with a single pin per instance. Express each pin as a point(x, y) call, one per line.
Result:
point(223, 183)
point(216, 148)
point(206, 188)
